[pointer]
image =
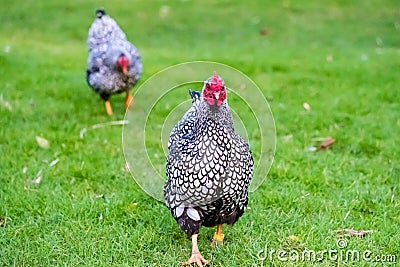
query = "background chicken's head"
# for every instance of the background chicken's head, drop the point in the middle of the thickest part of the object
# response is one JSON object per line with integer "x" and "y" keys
{"x": 123, "y": 63}
{"x": 214, "y": 92}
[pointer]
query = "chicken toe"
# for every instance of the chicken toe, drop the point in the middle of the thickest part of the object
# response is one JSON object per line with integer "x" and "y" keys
{"x": 196, "y": 258}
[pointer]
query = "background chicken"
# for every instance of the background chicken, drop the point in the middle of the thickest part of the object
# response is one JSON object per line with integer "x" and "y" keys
{"x": 114, "y": 64}
{"x": 209, "y": 167}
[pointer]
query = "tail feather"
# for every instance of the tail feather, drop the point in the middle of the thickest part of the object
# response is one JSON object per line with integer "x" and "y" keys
{"x": 195, "y": 95}
{"x": 100, "y": 13}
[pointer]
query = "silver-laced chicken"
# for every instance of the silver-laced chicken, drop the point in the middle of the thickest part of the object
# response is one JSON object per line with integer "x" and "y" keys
{"x": 209, "y": 167}
{"x": 114, "y": 64}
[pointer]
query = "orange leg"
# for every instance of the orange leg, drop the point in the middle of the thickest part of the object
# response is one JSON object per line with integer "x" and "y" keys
{"x": 108, "y": 108}
{"x": 128, "y": 99}
{"x": 196, "y": 256}
{"x": 218, "y": 236}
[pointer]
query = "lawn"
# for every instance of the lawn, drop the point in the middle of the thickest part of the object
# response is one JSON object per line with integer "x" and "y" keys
{"x": 73, "y": 202}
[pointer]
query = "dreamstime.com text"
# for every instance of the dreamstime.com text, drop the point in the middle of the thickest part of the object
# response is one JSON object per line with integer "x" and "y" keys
{"x": 341, "y": 254}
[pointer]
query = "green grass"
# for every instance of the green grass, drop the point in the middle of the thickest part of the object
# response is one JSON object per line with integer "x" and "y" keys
{"x": 88, "y": 211}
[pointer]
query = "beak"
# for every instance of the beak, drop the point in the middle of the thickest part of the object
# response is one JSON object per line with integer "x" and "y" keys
{"x": 125, "y": 70}
{"x": 216, "y": 94}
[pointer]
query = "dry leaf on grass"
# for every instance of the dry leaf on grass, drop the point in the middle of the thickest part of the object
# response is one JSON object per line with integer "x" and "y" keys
{"x": 164, "y": 11}
{"x": 306, "y": 106}
{"x": 38, "y": 178}
{"x": 351, "y": 232}
{"x": 326, "y": 143}
{"x": 54, "y": 162}
{"x": 287, "y": 138}
{"x": 312, "y": 149}
{"x": 5, "y": 103}
{"x": 306, "y": 195}
{"x": 131, "y": 206}
{"x": 264, "y": 31}
{"x": 100, "y": 125}
{"x": 43, "y": 143}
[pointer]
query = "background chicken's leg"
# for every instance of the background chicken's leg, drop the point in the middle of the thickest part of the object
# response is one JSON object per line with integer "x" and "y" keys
{"x": 108, "y": 108}
{"x": 128, "y": 99}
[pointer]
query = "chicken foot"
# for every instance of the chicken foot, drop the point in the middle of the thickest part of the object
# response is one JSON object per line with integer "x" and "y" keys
{"x": 218, "y": 236}
{"x": 196, "y": 256}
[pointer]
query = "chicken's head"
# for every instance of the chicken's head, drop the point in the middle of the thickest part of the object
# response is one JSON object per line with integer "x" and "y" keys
{"x": 214, "y": 92}
{"x": 123, "y": 63}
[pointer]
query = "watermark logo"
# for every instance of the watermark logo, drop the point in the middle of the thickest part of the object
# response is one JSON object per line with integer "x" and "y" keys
{"x": 162, "y": 100}
{"x": 339, "y": 254}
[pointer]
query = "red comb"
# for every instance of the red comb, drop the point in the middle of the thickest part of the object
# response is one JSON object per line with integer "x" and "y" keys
{"x": 212, "y": 86}
{"x": 215, "y": 83}
{"x": 123, "y": 61}
{"x": 217, "y": 80}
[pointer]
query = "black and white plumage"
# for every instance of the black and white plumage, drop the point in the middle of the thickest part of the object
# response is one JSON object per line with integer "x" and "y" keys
{"x": 114, "y": 64}
{"x": 209, "y": 166}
